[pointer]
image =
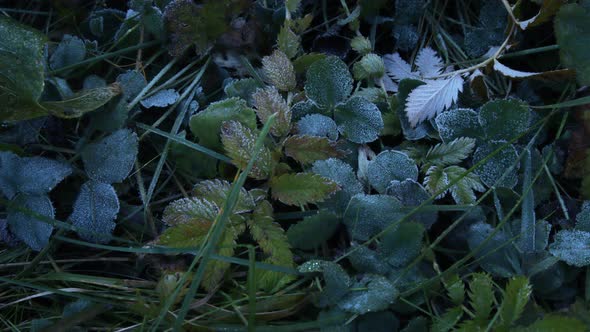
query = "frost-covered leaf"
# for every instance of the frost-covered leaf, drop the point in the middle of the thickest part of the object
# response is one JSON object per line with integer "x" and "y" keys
{"x": 572, "y": 247}
{"x": 22, "y": 73}
{"x": 367, "y": 215}
{"x": 397, "y": 68}
{"x": 313, "y": 231}
{"x": 582, "y": 218}
{"x": 243, "y": 88}
{"x": 411, "y": 133}
{"x": 458, "y": 122}
{"x": 343, "y": 174}
{"x": 38, "y": 175}
{"x": 70, "y": 50}
{"x": 499, "y": 170}
{"x": 9, "y": 173}
{"x": 268, "y": 101}
{"x": 162, "y": 98}
{"x": 361, "y": 45}
{"x": 94, "y": 212}
{"x": 481, "y": 297}
{"x": 365, "y": 260}
{"x": 358, "y": 120}
{"x": 27, "y": 228}
{"x": 239, "y": 143}
{"x": 451, "y": 153}
{"x": 504, "y": 119}
{"x": 206, "y": 125}
{"x": 402, "y": 244}
{"x": 518, "y": 291}
{"x": 430, "y": 99}
{"x": 190, "y": 211}
{"x": 337, "y": 281}
{"x": 463, "y": 191}
{"x": 328, "y": 82}
{"x": 111, "y": 159}
{"x": 217, "y": 191}
{"x": 388, "y": 166}
{"x": 279, "y": 70}
{"x": 572, "y": 32}
{"x": 509, "y": 72}
{"x": 429, "y": 63}
{"x": 131, "y": 83}
{"x": 498, "y": 256}
{"x": 411, "y": 194}
{"x": 406, "y": 36}
{"x": 301, "y": 188}
{"x": 81, "y": 102}
{"x": 318, "y": 125}
{"x": 369, "y": 66}
{"x": 378, "y": 295}
{"x": 303, "y": 108}
{"x": 307, "y": 149}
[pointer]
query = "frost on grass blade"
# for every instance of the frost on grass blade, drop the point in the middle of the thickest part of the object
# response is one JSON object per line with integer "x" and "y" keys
{"x": 111, "y": 159}
{"x": 27, "y": 228}
{"x": 95, "y": 210}
{"x": 388, "y": 166}
{"x": 428, "y": 100}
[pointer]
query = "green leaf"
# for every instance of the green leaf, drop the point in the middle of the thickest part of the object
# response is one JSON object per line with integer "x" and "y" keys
{"x": 239, "y": 143}
{"x": 95, "y": 210}
{"x": 288, "y": 42}
{"x": 32, "y": 231}
{"x": 191, "y": 211}
{"x": 572, "y": 247}
{"x": 111, "y": 159}
{"x": 481, "y": 297}
{"x": 268, "y": 101}
{"x": 22, "y": 70}
{"x": 458, "y": 122}
{"x": 341, "y": 173}
{"x": 70, "y": 50}
{"x": 313, "y": 231}
{"x": 463, "y": 191}
{"x": 302, "y": 188}
{"x": 337, "y": 281}
{"x": 82, "y": 102}
{"x": 447, "y": 321}
{"x": 367, "y": 215}
{"x": 451, "y": 153}
{"x": 273, "y": 242}
{"x": 552, "y": 323}
{"x": 359, "y": 120}
{"x": 389, "y": 166}
{"x": 242, "y": 88}
{"x": 379, "y": 294}
{"x": 328, "y": 82}
{"x": 504, "y": 119}
{"x": 416, "y": 324}
{"x": 279, "y": 70}
{"x": 217, "y": 191}
{"x": 318, "y": 125}
{"x": 215, "y": 269}
{"x": 516, "y": 297}
{"x": 411, "y": 194}
{"x": 370, "y": 66}
{"x": 402, "y": 244}
{"x": 573, "y": 37}
{"x": 206, "y": 125}
{"x": 499, "y": 170}
{"x": 456, "y": 289}
{"x": 187, "y": 235}
{"x": 307, "y": 149}
{"x": 292, "y": 5}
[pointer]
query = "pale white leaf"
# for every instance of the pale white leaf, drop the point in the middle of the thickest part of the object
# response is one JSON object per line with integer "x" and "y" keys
{"x": 387, "y": 83}
{"x": 507, "y": 71}
{"x": 428, "y": 100}
{"x": 429, "y": 63}
{"x": 397, "y": 68}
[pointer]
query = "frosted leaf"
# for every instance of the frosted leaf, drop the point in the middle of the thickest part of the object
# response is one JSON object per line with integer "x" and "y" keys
{"x": 318, "y": 125}
{"x": 95, "y": 210}
{"x": 542, "y": 231}
{"x": 402, "y": 244}
{"x": 304, "y": 108}
{"x": 32, "y": 231}
{"x": 328, "y": 82}
{"x": 388, "y": 166}
{"x": 70, "y": 50}
{"x": 406, "y": 36}
{"x": 313, "y": 231}
{"x": 422, "y": 129}
{"x": 498, "y": 256}
{"x": 370, "y": 294}
{"x": 583, "y": 217}
{"x": 456, "y": 123}
{"x": 504, "y": 119}
{"x": 358, "y": 120}
{"x": 509, "y": 72}
{"x": 429, "y": 63}
{"x": 111, "y": 159}
{"x": 365, "y": 260}
{"x": 131, "y": 82}
{"x": 497, "y": 171}
{"x": 411, "y": 194}
{"x": 339, "y": 172}
{"x": 397, "y": 68}
{"x": 572, "y": 247}
{"x": 243, "y": 88}
{"x": 367, "y": 215}
{"x": 239, "y": 143}
{"x": 268, "y": 101}
{"x": 430, "y": 99}
{"x": 337, "y": 281}
{"x": 279, "y": 70}
{"x": 217, "y": 192}
{"x": 38, "y": 175}
{"x": 162, "y": 98}
{"x": 190, "y": 211}
{"x": 387, "y": 83}
{"x": 9, "y": 168}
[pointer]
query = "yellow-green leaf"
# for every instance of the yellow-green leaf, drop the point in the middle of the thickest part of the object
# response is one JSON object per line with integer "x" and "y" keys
{"x": 239, "y": 143}
{"x": 308, "y": 149}
{"x": 301, "y": 188}
{"x": 82, "y": 102}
